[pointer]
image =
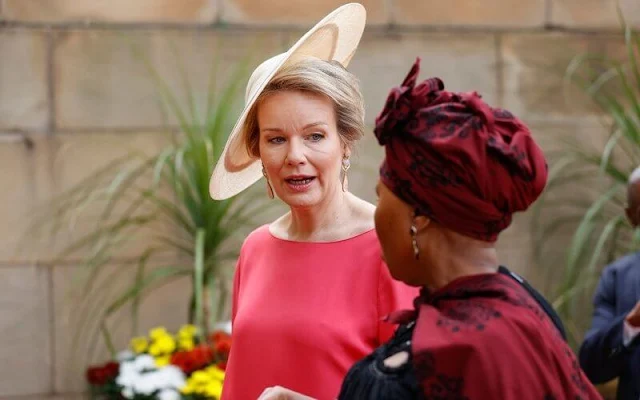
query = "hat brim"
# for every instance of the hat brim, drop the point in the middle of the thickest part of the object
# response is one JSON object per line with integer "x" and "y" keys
{"x": 335, "y": 37}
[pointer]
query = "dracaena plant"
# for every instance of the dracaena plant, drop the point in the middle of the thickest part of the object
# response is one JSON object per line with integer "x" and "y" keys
{"x": 137, "y": 193}
{"x": 587, "y": 186}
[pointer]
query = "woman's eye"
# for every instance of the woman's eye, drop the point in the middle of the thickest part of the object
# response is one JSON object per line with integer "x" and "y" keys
{"x": 276, "y": 140}
{"x": 316, "y": 137}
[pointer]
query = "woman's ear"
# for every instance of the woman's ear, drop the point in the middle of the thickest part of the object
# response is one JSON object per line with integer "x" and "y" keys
{"x": 421, "y": 222}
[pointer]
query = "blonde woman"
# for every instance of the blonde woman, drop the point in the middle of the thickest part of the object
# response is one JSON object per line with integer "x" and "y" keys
{"x": 311, "y": 288}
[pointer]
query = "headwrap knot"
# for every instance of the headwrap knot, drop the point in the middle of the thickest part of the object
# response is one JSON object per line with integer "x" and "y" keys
{"x": 457, "y": 160}
{"x": 402, "y": 102}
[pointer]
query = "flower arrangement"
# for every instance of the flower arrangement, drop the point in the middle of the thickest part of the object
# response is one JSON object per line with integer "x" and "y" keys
{"x": 162, "y": 366}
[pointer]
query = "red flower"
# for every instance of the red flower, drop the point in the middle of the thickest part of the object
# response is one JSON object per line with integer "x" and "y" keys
{"x": 101, "y": 374}
{"x": 222, "y": 348}
{"x": 217, "y": 336}
{"x": 189, "y": 361}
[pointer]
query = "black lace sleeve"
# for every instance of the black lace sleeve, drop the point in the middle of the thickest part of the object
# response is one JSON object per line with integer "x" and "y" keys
{"x": 370, "y": 379}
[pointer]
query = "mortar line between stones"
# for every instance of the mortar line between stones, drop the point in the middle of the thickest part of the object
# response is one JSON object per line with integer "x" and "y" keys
{"x": 118, "y": 130}
{"x": 499, "y": 70}
{"x": 391, "y": 16}
{"x": 51, "y": 123}
{"x": 75, "y": 262}
{"x": 52, "y": 331}
{"x": 548, "y": 13}
{"x": 217, "y": 19}
{"x": 224, "y": 27}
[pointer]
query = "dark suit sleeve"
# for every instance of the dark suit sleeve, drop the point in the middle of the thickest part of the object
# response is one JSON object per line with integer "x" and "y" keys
{"x": 602, "y": 354}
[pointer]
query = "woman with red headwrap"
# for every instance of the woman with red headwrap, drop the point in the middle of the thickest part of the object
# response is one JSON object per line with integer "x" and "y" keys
{"x": 455, "y": 171}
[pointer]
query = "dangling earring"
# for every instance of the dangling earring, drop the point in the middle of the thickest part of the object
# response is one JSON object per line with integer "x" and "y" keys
{"x": 269, "y": 188}
{"x": 414, "y": 242}
{"x": 346, "y": 164}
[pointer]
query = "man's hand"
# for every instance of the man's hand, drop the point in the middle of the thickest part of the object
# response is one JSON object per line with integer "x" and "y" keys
{"x": 633, "y": 318}
{"x": 280, "y": 393}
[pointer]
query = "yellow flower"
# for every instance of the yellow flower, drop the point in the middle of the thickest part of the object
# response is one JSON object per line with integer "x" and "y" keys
{"x": 139, "y": 344}
{"x": 162, "y": 345}
{"x": 199, "y": 378}
{"x": 162, "y": 361}
{"x": 187, "y": 332}
{"x": 213, "y": 389}
{"x": 188, "y": 388}
{"x": 215, "y": 373}
{"x": 186, "y": 344}
{"x": 158, "y": 332}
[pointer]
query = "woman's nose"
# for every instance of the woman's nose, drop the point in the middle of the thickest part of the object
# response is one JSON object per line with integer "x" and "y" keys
{"x": 295, "y": 153}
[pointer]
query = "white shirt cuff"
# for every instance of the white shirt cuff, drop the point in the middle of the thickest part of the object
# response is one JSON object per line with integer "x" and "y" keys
{"x": 628, "y": 333}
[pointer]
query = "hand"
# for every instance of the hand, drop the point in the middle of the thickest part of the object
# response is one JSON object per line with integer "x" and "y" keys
{"x": 633, "y": 318}
{"x": 280, "y": 393}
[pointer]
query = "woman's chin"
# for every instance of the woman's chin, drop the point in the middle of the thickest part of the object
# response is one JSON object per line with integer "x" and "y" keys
{"x": 300, "y": 200}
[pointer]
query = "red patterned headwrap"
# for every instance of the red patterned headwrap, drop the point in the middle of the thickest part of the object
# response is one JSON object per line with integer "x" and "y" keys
{"x": 457, "y": 160}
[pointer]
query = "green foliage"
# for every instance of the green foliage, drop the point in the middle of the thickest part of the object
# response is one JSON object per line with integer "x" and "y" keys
{"x": 163, "y": 198}
{"x": 592, "y": 178}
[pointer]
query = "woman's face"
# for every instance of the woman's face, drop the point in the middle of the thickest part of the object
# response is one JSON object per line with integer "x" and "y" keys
{"x": 300, "y": 147}
{"x": 393, "y": 218}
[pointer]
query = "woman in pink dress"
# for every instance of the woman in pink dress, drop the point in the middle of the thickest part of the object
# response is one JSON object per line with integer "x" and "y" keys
{"x": 310, "y": 289}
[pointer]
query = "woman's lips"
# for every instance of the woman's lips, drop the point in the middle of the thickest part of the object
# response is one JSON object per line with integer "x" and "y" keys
{"x": 300, "y": 184}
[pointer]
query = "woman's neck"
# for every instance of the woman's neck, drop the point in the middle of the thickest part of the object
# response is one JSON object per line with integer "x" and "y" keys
{"x": 460, "y": 263}
{"x": 323, "y": 222}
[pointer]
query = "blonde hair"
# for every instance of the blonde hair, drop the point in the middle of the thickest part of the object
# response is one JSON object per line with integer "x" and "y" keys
{"x": 328, "y": 78}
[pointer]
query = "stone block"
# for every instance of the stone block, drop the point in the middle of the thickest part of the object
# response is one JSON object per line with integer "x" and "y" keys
{"x": 23, "y": 80}
{"x": 26, "y": 333}
{"x": 515, "y": 250}
{"x": 77, "y": 158}
{"x": 567, "y": 201}
{"x": 594, "y": 13}
{"x": 60, "y": 11}
{"x": 102, "y": 81}
{"x": 297, "y": 12}
{"x": 470, "y": 13}
{"x": 463, "y": 61}
{"x": 25, "y": 182}
{"x": 78, "y": 339}
{"x": 536, "y": 83}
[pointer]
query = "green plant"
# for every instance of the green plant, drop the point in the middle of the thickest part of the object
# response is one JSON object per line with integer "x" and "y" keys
{"x": 587, "y": 186}
{"x": 136, "y": 193}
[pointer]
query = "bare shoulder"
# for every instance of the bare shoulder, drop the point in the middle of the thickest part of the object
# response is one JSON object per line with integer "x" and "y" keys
{"x": 279, "y": 227}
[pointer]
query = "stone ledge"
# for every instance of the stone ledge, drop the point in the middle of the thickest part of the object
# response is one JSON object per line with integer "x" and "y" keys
{"x": 593, "y": 14}
{"x": 294, "y": 12}
{"x": 61, "y": 11}
{"x": 472, "y": 13}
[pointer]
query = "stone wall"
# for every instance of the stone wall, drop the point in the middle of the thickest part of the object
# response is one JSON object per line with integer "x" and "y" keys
{"x": 72, "y": 97}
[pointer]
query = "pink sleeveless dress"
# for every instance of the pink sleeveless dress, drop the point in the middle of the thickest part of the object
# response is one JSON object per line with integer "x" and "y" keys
{"x": 304, "y": 313}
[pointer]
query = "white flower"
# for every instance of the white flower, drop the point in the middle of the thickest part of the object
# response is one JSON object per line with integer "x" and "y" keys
{"x": 140, "y": 375}
{"x": 168, "y": 394}
{"x": 144, "y": 361}
{"x": 223, "y": 326}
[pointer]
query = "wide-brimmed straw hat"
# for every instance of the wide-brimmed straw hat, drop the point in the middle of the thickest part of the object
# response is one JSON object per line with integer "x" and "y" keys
{"x": 335, "y": 38}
